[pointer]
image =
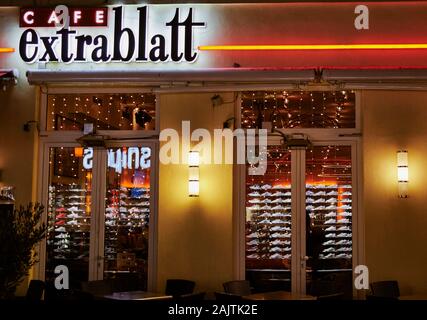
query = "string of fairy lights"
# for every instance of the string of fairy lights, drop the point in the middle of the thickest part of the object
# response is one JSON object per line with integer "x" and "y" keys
{"x": 298, "y": 109}
{"x": 324, "y": 164}
{"x": 106, "y": 111}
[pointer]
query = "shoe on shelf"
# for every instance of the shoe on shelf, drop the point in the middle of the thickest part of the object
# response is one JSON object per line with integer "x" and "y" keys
{"x": 61, "y": 235}
{"x": 344, "y": 228}
{"x": 253, "y": 235}
{"x": 320, "y": 200}
{"x": 278, "y": 228}
{"x": 344, "y": 235}
{"x": 345, "y": 214}
{"x": 330, "y": 221}
{"x": 331, "y": 207}
{"x": 277, "y": 256}
{"x": 265, "y": 215}
{"x": 329, "y": 243}
{"x": 253, "y": 242}
{"x": 72, "y": 222}
{"x": 344, "y": 242}
{"x": 73, "y": 215}
{"x": 61, "y": 216}
{"x": 331, "y": 214}
{"x": 278, "y": 200}
{"x": 343, "y": 221}
{"x": 266, "y": 194}
{"x": 332, "y": 193}
{"x": 319, "y": 193}
{"x": 319, "y": 208}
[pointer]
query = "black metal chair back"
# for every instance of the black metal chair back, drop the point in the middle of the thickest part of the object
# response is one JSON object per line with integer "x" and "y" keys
{"x": 238, "y": 287}
{"x": 385, "y": 289}
{"x": 35, "y": 290}
{"x": 179, "y": 287}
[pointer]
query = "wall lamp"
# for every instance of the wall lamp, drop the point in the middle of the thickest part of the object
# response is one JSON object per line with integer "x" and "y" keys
{"x": 193, "y": 173}
{"x": 402, "y": 173}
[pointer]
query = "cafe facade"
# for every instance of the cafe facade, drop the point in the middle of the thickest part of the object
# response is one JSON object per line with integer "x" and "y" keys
{"x": 96, "y": 100}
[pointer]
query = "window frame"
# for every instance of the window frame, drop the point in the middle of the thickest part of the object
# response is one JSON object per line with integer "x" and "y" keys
{"x": 318, "y": 136}
{"x": 74, "y": 134}
{"x": 51, "y": 139}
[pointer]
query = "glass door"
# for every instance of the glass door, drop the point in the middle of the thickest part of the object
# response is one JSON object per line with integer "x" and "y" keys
{"x": 69, "y": 213}
{"x": 299, "y": 234}
{"x": 269, "y": 223}
{"x": 126, "y": 216}
{"x": 328, "y": 220}
{"x": 99, "y": 216}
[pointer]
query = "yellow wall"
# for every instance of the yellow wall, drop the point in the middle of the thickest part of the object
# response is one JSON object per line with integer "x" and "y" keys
{"x": 17, "y": 106}
{"x": 395, "y": 229}
{"x": 195, "y": 234}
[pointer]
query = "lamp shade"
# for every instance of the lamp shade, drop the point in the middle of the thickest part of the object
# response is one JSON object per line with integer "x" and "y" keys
{"x": 193, "y": 159}
{"x": 193, "y": 188}
{"x": 402, "y": 166}
{"x": 402, "y": 173}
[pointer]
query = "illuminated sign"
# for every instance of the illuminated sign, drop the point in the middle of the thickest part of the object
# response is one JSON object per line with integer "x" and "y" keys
{"x": 129, "y": 43}
{"x": 130, "y": 158}
{"x": 48, "y": 17}
{"x": 306, "y": 35}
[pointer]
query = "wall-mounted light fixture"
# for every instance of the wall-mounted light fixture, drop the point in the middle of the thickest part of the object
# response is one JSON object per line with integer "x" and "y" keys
{"x": 402, "y": 173}
{"x": 193, "y": 173}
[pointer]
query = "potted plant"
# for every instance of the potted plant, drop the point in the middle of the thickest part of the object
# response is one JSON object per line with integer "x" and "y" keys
{"x": 20, "y": 231}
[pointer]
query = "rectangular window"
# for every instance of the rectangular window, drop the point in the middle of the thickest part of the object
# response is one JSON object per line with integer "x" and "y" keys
{"x": 106, "y": 111}
{"x": 298, "y": 109}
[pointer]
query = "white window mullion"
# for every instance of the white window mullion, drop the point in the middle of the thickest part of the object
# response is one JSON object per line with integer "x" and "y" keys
{"x": 94, "y": 253}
